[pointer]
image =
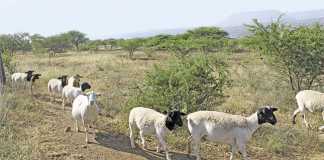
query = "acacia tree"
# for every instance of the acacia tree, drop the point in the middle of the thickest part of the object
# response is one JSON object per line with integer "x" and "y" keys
{"x": 9, "y": 43}
{"x": 38, "y": 43}
{"x": 207, "y": 32}
{"x": 131, "y": 45}
{"x": 206, "y": 39}
{"x": 15, "y": 42}
{"x": 207, "y": 45}
{"x": 76, "y": 38}
{"x": 297, "y": 53}
{"x": 181, "y": 46}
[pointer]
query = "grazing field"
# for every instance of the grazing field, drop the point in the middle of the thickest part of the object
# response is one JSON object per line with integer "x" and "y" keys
{"x": 35, "y": 128}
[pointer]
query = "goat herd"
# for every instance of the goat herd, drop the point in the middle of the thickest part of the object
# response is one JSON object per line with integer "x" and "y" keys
{"x": 234, "y": 130}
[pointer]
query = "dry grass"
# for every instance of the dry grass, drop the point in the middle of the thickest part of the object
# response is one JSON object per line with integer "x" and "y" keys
{"x": 34, "y": 128}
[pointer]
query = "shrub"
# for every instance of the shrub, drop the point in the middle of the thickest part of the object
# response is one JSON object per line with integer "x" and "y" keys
{"x": 191, "y": 83}
{"x": 297, "y": 53}
{"x": 9, "y": 63}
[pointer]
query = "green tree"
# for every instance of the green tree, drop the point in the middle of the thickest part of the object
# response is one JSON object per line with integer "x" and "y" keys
{"x": 207, "y": 45}
{"x": 190, "y": 84}
{"x": 9, "y": 43}
{"x": 158, "y": 42}
{"x": 207, "y": 32}
{"x": 38, "y": 43}
{"x": 15, "y": 42}
{"x": 76, "y": 38}
{"x": 180, "y": 46}
{"x": 297, "y": 53}
{"x": 58, "y": 43}
{"x": 131, "y": 45}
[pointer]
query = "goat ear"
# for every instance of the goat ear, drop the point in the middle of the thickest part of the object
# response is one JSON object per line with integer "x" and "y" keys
{"x": 182, "y": 114}
{"x": 274, "y": 109}
{"x": 59, "y": 77}
{"x": 165, "y": 112}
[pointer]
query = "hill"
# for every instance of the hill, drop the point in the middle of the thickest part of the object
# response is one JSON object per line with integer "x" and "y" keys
{"x": 234, "y": 24}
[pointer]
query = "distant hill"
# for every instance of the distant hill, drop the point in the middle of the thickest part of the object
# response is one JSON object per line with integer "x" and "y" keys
{"x": 234, "y": 24}
{"x": 238, "y": 19}
{"x": 151, "y": 33}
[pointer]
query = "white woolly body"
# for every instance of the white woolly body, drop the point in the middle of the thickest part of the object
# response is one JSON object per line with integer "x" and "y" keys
{"x": 19, "y": 77}
{"x": 55, "y": 86}
{"x": 71, "y": 92}
{"x": 234, "y": 130}
{"x": 311, "y": 100}
{"x": 83, "y": 110}
{"x": 221, "y": 127}
{"x": 147, "y": 120}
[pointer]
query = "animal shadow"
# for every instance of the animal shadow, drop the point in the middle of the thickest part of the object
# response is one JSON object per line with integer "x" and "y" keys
{"x": 121, "y": 142}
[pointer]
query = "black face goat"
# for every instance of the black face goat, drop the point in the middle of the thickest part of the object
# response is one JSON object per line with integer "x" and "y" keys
{"x": 29, "y": 75}
{"x": 266, "y": 115}
{"x": 64, "y": 80}
{"x": 173, "y": 119}
{"x": 84, "y": 86}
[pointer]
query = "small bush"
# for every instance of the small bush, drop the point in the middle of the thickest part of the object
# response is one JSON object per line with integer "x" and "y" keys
{"x": 191, "y": 83}
{"x": 9, "y": 63}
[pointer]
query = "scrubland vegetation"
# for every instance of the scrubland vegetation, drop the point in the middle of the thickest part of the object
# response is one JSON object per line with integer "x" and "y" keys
{"x": 201, "y": 69}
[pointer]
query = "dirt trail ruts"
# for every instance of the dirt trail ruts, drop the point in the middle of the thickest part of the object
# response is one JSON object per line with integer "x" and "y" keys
{"x": 55, "y": 143}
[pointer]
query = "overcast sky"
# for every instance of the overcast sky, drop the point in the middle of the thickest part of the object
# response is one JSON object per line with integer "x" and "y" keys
{"x": 98, "y": 18}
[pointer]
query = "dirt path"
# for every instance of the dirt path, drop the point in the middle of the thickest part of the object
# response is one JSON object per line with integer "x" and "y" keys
{"x": 52, "y": 142}
{"x": 55, "y": 143}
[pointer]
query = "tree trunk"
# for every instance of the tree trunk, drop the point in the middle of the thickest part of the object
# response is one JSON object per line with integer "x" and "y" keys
{"x": 77, "y": 47}
{"x": 2, "y": 76}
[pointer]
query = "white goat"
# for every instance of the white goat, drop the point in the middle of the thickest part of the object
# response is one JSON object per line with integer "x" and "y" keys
{"x": 70, "y": 92}
{"x": 55, "y": 86}
{"x": 308, "y": 100}
{"x": 149, "y": 121}
{"x": 85, "y": 109}
{"x": 21, "y": 78}
{"x": 234, "y": 130}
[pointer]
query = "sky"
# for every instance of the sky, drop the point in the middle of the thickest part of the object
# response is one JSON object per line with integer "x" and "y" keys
{"x": 102, "y": 18}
